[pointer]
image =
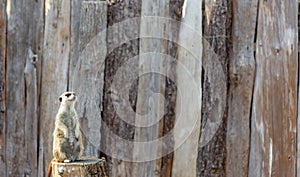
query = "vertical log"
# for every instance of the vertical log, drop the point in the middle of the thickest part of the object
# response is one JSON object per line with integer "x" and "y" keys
{"x": 273, "y": 127}
{"x": 188, "y": 102}
{"x": 88, "y": 74}
{"x": 120, "y": 13}
{"x": 31, "y": 114}
{"x": 76, "y": 7}
{"x": 55, "y": 63}
{"x": 212, "y": 150}
{"x": 23, "y": 31}
{"x": 2, "y": 86}
{"x": 241, "y": 73}
{"x": 175, "y": 12}
{"x": 151, "y": 89}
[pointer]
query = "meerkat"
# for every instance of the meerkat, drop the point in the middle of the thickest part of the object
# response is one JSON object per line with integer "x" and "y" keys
{"x": 67, "y": 138}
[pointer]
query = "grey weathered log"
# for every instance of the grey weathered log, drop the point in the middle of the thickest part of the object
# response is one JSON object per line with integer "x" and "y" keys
{"x": 151, "y": 89}
{"x": 31, "y": 112}
{"x": 75, "y": 24}
{"x": 56, "y": 51}
{"x": 241, "y": 75}
{"x": 86, "y": 167}
{"x": 88, "y": 78}
{"x": 188, "y": 102}
{"x": 2, "y": 87}
{"x": 122, "y": 46}
{"x": 274, "y": 110}
{"x": 23, "y": 32}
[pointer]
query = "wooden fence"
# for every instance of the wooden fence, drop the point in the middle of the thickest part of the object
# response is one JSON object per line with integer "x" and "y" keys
{"x": 215, "y": 84}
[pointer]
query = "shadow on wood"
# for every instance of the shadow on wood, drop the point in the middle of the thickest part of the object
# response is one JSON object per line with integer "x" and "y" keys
{"x": 88, "y": 166}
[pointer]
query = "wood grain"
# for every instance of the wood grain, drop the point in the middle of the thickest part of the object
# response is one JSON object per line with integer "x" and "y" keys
{"x": 3, "y": 87}
{"x": 56, "y": 51}
{"x": 189, "y": 94}
{"x": 87, "y": 166}
{"x": 241, "y": 75}
{"x": 23, "y": 33}
{"x": 151, "y": 89}
{"x": 88, "y": 75}
{"x": 274, "y": 111}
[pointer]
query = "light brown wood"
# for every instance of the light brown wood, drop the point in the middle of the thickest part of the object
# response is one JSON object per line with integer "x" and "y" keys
{"x": 56, "y": 51}
{"x": 241, "y": 73}
{"x": 274, "y": 111}
{"x": 189, "y": 94}
{"x": 86, "y": 167}
{"x": 88, "y": 75}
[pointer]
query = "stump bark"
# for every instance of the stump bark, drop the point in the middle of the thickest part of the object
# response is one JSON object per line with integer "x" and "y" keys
{"x": 87, "y": 166}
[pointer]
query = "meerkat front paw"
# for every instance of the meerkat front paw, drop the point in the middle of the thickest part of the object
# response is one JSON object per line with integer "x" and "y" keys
{"x": 67, "y": 161}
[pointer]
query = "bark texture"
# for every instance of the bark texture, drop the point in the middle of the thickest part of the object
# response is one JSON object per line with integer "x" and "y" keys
{"x": 212, "y": 149}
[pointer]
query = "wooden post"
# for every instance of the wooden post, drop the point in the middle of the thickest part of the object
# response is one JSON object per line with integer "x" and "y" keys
{"x": 87, "y": 79}
{"x": 188, "y": 102}
{"x": 241, "y": 75}
{"x": 88, "y": 166}
{"x": 273, "y": 145}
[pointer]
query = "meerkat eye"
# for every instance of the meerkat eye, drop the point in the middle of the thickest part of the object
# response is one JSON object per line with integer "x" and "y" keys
{"x": 68, "y": 94}
{"x": 74, "y": 94}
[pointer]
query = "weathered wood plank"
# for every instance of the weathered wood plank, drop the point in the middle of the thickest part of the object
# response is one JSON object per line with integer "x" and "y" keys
{"x": 55, "y": 78}
{"x": 2, "y": 87}
{"x": 188, "y": 103}
{"x": 23, "y": 32}
{"x": 31, "y": 112}
{"x": 241, "y": 73}
{"x": 212, "y": 150}
{"x": 122, "y": 27}
{"x": 274, "y": 112}
{"x": 151, "y": 89}
{"x": 88, "y": 75}
{"x": 76, "y": 6}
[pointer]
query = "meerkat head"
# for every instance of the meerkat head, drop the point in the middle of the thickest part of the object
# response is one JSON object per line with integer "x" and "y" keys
{"x": 67, "y": 98}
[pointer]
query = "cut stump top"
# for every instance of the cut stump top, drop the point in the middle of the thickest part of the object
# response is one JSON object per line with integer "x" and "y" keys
{"x": 87, "y": 166}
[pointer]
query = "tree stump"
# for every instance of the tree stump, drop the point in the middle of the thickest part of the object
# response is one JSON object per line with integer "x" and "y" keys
{"x": 87, "y": 166}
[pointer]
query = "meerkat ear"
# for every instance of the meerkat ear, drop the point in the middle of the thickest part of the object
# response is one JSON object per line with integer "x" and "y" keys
{"x": 60, "y": 99}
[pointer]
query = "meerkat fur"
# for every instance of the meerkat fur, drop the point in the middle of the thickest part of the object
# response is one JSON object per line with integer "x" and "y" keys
{"x": 67, "y": 138}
